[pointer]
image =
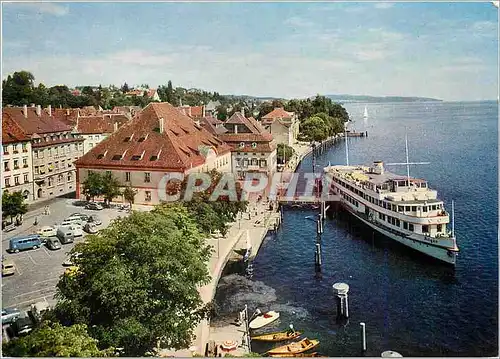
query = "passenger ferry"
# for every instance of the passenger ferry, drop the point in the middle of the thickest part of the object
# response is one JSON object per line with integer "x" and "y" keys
{"x": 402, "y": 208}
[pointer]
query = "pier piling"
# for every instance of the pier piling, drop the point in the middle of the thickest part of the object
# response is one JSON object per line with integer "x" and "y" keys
{"x": 340, "y": 290}
{"x": 363, "y": 336}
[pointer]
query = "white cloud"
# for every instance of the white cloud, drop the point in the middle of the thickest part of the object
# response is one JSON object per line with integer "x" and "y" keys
{"x": 44, "y": 8}
{"x": 383, "y": 5}
{"x": 298, "y": 22}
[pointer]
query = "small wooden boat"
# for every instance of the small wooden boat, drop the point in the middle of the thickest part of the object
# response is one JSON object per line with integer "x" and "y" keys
{"x": 264, "y": 319}
{"x": 295, "y": 348}
{"x": 277, "y": 336}
{"x": 302, "y": 355}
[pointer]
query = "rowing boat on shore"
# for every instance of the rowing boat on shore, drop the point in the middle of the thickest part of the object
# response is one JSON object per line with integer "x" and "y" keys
{"x": 264, "y": 319}
{"x": 295, "y": 347}
{"x": 302, "y": 355}
{"x": 277, "y": 336}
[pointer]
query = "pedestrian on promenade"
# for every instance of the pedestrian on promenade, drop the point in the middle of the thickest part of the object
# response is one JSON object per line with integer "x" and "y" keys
{"x": 36, "y": 221}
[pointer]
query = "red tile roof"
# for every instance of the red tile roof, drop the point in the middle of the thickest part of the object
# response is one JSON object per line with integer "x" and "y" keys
{"x": 179, "y": 147}
{"x": 11, "y": 132}
{"x": 277, "y": 114}
{"x": 99, "y": 124}
{"x": 196, "y": 111}
{"x": 33, "y": 123}
{"x": 212, "y": 125}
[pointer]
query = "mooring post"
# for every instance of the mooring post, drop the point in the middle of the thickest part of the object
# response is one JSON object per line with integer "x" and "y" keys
{"x": 318, "y": 254}
{"x": 340, "y": 290}
{"x": 363, "y": 336}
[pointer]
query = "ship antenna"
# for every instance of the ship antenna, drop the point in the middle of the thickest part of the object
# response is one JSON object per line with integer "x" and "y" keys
{"x": 407, "y": 163}
{"x": 346, "y": 146}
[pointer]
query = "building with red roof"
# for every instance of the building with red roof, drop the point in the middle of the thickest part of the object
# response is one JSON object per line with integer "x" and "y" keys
{"x": 253, "y": 148}
{"x": 54, "y": 148}
{"x": 157, "y": 141}
{"x": 283, "y": 125}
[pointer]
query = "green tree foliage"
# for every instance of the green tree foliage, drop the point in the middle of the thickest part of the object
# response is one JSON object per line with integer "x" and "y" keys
{"x": 221, "y": 113}
{"x": 93, "y": 186}
{"x": 18, "y": 89}
{"x": 137, "y": 282}
{"x": 284, "y": 152}
{"x": 55, "y": 340}
{"x": 13, "y": 205}
{"x": 125, "y": 88}
{"x": 314, "y": 129}
{"x": 110, "y": 187}
{"x": 129, "y": 195}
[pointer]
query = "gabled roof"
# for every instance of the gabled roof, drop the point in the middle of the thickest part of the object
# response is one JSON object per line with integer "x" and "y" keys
{"x": 11, "y": 132}
{"x": 212, "y": 125}
{"x": 252, "y": 125}
{"x": 34, "y": 123}
{"x": 277, "y": 114}
{"x": 263, "y": 140}
{"x": 99, "y": 124}
{"x": 139, "y": 143}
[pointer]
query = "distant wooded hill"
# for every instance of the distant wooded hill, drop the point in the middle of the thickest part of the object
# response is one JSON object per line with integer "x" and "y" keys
{"x": 362, "y": 98}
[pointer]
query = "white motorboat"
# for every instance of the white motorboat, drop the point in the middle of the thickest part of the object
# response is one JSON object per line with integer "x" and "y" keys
{"x": 264, "y": 319}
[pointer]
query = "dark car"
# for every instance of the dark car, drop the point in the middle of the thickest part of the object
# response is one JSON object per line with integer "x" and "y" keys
{"x": 94, "y": 206}
{"x": 94, "y": 220}
{"x": 53, "y": 243}
{"x": 22, "y": 326}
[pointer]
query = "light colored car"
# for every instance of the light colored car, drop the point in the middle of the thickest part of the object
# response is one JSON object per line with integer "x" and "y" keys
{"x": 82, "y": 216}
{"x": 47, "y": 231}
{"x": 10, "y": 315}
{"x": 90, "y": 228}
{"x": 93, "y": 219}
{"x": 8, "y": 268}
{"x": 94, "y": 206}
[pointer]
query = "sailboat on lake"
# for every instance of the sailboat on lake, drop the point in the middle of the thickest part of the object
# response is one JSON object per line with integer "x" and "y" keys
{"x": 365, "y": 114}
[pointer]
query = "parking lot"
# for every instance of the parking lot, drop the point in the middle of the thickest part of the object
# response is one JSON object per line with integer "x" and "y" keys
{"x": 38, "y": 271}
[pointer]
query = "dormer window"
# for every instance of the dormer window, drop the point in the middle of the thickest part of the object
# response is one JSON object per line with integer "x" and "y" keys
{"x": 136, "y": 157}
{"x": 254, "y": 144}
{"x": 153, "y": 158}
{"x": 129, "y": 138}
{"x": 142, "y": 138}
{"x": 100, "y": 156}
{"x": 242, "y": 144}
{"x": 117, "y": 157}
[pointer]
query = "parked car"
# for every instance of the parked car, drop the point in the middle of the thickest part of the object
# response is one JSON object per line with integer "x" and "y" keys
{"x": 67, "y": 234}
{"x": 8, "y": 227}
{"x": 53, "y": 243}
{"x": 47, "y": 231}
{"x": 94, "y": 206}
{"x": 94, "y": 220}
{"x": 10, "y": 315}
{"x": 82, "y": 216}
{"x": 72, "y": 221}
{"x": 8, "y": 268}
{"x": 69, "y": 262}
{"x": 22, "y": 326}
{"x": 90, "y": 228}
{"x": 31, "y": 241}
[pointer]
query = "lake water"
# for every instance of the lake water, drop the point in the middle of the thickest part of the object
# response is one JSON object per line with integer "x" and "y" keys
{"x": 410, "y": 304}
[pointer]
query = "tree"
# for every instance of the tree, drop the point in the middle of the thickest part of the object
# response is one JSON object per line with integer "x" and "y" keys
{"x": 125, "y": 88}
{"x": 18, "y": 88}
{"x": 93, "y": 186}
{"x": 13, "y": 205}
{"x": 221, "y": 113}
{"x": 314, "y": 129}
{"x": 137, "y": 282}
{"x": 169, "y": 92}
{"x": 55, "y": 340}
{"x": 129, "y": 195}
{"x": 110, "y": 187}
{"x": 284, "y": 152}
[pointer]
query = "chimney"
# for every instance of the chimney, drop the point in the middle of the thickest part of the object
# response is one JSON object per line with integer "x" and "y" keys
{"x": 180, "y": 101}
{"x": 243, "y": 111}
{"x": 50, "y": 110}
{"x": 67, "y": 112}
{"x": 162, "y": 124}
{"x": 25, "y": 111}
{"x": 115, "y": 127}
{"x": 235, "y": 129}
{"x": 38, "y": 110}
{"x": 203, "y": 108}
{"x": 189, "y": 111}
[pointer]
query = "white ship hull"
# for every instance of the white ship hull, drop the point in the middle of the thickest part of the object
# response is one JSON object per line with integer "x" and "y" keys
{"x": 440, "y": 253}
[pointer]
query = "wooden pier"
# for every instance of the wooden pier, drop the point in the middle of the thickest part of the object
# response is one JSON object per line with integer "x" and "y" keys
{"x": 307, "y": 200}
{"x": 357, "y": 134}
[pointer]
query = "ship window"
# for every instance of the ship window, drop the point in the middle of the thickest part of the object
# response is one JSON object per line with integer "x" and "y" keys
{"x": 400, "y": 208}
{"x": 425, "y": 228}
{"x": 410, "y": 227}
{"x": 424, "y": 208}
{"x": 407, "y": 208}
{"x": 397, "y": 222}
{"x": 433, "y": 207}
{"x": 414, "y": 208}
{"x": 439, "y": 227}
{"x": 380, "y": 215}
{"x": 405, "y": 225}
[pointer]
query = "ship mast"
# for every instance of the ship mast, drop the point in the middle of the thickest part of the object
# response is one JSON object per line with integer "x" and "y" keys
{"x": 407, "y": 163}
{"x": 346, "y": 147}
{"x": 453, "y": 219}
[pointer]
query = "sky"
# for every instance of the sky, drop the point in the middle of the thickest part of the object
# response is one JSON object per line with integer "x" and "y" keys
{"x": 445, "y": 50}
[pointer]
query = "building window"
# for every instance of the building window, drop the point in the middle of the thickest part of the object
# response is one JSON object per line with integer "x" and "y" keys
{"x": 5, "y": 150}
{"x": 6, "y": 166}
{"x": 425, "y": 228}
{"x": 15, "y": 149}
{"x": 410, "y": 227}
{"x": 16, "y": 180}
{"x": 238, "y": 162}
{"x": 147, "y": 177}
{"x": 69, "y": 177}
{"x": 16, "y": 164}
{"x": 127, "y": 176}
{"x": 25, "y": 162}
{"x": 56, "y": 165}
{"x": 51, "y": 167}
{"x": 50, "y": 181}
{"x": 25, "y": 178}
{"x": 7, "y": 182}
{"x": 148, "y": 196}
{"x": 60, "y": 178}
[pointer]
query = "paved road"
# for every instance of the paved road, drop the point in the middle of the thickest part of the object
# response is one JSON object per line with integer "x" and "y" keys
{"x": 38, "y": 271}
